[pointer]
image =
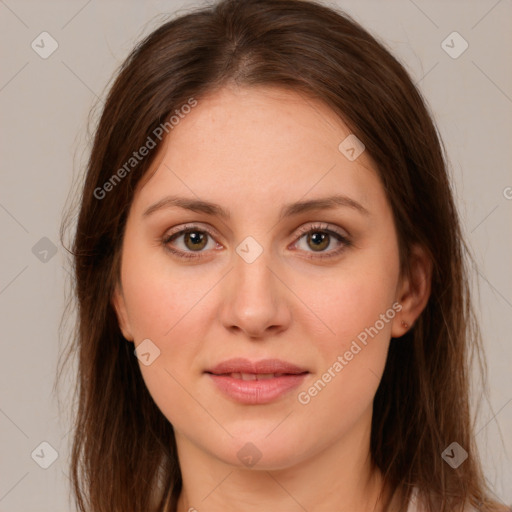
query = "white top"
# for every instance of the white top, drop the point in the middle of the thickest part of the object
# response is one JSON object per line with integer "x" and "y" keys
{"x": 413, "y": 503}
{"x": 415, "y": 506}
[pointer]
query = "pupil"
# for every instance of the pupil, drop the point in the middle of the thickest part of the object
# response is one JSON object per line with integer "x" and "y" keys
{"x": 196, "y": 238}
{"x": 318, "y": 238}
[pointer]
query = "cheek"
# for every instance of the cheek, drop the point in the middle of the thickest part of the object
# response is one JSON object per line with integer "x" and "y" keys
{"x": 359, "y": 315}
{"x": 353, "y": 358}
{"x": 166, "y": 310}
{"x": 159, "y": 300}
{"x": 352, "y": 299}
{"x": 169, "y": 307}
{"x": 356, "y": 308}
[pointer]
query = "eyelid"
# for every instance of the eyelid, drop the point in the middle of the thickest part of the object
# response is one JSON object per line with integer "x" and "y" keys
{"x": 322, "y": 226}
{"x": 305, "y": 228}
{"x": 344, "y": 238}
{"x": 191, "y": 226}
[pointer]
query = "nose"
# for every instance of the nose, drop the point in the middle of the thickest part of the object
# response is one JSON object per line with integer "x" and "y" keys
{"x": 255, "y": 298}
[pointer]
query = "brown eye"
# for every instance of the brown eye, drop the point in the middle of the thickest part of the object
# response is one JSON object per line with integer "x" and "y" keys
{"x": 317, "y": 240}
{"x": 195, "y": 240}
{"x": 190, "y": 242}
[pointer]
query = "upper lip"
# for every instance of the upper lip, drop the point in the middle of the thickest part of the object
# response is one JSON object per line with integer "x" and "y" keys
{"x": 241, "y": 365}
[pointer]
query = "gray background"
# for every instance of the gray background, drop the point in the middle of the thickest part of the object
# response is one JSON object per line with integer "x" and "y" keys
{"x": 45, "y": 104}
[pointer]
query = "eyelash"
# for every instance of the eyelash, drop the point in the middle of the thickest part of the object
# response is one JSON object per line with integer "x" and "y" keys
{"x": 303, "y": 231}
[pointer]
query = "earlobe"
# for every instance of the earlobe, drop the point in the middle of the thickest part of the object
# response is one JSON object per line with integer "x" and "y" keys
{"x": 119, "y": 306}
{"x": 414, "y": 291}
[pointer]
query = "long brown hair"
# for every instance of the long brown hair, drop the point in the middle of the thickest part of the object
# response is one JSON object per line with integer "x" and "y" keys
{"x": 124, "y": 453}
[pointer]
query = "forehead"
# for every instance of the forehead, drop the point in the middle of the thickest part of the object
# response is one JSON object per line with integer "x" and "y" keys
{"x": 257, "y": 148}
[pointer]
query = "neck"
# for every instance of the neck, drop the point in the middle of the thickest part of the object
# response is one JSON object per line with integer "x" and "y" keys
{"x": 340, "y": 477}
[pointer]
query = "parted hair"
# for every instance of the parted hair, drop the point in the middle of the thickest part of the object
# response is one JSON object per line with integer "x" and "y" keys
{"x": 124, "y": 456}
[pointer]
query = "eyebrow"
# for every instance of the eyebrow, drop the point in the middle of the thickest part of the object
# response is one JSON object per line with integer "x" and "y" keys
{"x": 199, "y": 206}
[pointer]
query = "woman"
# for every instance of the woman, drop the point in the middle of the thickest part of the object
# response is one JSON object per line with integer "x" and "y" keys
{"x": 273, "y": 303}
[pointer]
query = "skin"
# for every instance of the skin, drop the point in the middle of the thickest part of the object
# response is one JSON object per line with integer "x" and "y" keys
{"x": 252, "y": 151}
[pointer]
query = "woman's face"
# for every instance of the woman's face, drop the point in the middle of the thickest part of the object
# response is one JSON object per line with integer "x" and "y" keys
{"x": 281, "y": 276}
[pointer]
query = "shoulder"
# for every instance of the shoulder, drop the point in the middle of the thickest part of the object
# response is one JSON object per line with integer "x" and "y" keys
{"x": 415, "y": 505}
{"x": 499, "y": 508}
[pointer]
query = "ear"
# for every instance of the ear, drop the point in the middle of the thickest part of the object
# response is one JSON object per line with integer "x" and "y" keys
{"x": 119, "y": 306}
{"x": 413, "y": 292}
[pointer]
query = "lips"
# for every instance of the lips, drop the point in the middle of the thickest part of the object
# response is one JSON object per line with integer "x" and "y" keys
{"x": 256, "y": 382}
{"x": 254, "y": 376}
{"x": 266, "y": 366}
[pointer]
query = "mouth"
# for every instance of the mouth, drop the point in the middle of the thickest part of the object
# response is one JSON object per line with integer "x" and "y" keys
{"x": 253, "y": 383}
{"x": 241, "y": 366}
{"x": 254, "y": 376}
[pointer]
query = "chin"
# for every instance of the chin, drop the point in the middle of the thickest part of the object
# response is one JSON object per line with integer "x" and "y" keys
{"x": 261, "y": 452}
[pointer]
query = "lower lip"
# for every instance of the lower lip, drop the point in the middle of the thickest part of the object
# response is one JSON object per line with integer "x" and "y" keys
{"x": 255, "y": 392}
